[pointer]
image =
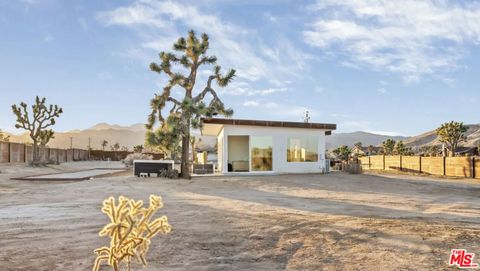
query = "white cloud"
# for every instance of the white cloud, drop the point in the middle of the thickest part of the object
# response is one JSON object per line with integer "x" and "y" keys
{"x": 235, "y": 46}
{"x": 411, "y": 38}
{"x": 251, "y": 104}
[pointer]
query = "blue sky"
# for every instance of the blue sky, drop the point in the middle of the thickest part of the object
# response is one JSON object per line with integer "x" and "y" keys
{"x": 394, "y": 67}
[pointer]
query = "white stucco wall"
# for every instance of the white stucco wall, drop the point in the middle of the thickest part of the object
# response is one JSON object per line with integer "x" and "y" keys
{"x": 279, "y": 136}
{"x": 220, "y": 151}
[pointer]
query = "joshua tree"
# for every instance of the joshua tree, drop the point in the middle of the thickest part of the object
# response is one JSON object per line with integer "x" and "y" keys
{"x": 104, "y": 144}
{"x": 342, "y": 152}
{"x": 4, "y": 137}
{"x": 452, "y": 133}
{"x": 138, "y": 148}
{"x": 401, "y": 149}
{"x": 115, "y": 147}
{"x": 124, "y": 148}
{"x": 36, "y": 122}
{"x": 388, "y": 146}
{"x": 186, "y": 112}
{"x": 433, "y": 150}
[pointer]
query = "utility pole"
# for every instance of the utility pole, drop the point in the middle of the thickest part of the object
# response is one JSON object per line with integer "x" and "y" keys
{"x": 89, "y": 146}
{"x": 306, "y": 116}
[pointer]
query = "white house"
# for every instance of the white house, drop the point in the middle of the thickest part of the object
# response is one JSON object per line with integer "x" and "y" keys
{"x": 256, "y": 146}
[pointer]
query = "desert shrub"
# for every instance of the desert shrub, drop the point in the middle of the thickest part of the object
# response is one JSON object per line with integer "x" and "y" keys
{"x": 136, "y": 156}
{"x": 168, "y": 173}
{"x": 130, "y": 230}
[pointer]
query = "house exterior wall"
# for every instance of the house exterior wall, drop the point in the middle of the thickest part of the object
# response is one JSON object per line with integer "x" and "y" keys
{"x": 279, "y": 137}
{"x": 220, "y": 151}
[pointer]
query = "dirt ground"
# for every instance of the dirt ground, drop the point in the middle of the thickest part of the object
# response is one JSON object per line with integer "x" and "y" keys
{"x": 296, "y": 222}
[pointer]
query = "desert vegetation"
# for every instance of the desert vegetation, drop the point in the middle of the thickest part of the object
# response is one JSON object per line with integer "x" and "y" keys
{"x": 131, "y": 229}
{"x": 452, "y": 133}
{"x": 36, "y": 122}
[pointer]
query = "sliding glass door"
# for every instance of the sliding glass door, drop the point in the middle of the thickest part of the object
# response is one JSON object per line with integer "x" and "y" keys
{"x": 261, "y": 148}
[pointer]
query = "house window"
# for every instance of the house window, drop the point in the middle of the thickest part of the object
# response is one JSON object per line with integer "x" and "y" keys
{"x": 302, "y": 149}
{"x": 262, "y": 154}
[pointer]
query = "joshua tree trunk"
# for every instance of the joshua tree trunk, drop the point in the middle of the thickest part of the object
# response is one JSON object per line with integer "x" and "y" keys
{"x": 35, "y": 158}
{"x": 185, "y": 152}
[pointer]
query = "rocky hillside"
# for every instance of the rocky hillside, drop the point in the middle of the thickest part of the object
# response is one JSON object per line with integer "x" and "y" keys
{"x": 430, "y": 138}
{"x": 338, "y": 139}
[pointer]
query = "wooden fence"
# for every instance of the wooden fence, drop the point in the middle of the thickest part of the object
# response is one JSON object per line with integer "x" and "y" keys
{"x": 17, "y": 153}
{"x": 466, "y": 167}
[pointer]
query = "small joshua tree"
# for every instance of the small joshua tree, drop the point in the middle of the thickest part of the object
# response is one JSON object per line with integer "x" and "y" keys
{"x": 130, "y": 231}
{"x": 138, "y": 148}
{"x": 36, "y": 122}
{"x": 4, "y": 137}
{"x": 452, "y": 133}
{"x": 115, "y": 147}
{"x": 388, "y": 146}
{"x": 343, "y": 152}
{"x": 104, "y": 144}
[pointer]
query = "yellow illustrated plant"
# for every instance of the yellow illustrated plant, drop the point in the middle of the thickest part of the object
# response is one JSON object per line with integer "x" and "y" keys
{"x": 130, "y": 230}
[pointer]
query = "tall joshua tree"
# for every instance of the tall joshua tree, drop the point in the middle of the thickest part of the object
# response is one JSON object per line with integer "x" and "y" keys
{"x": 452, "y": 133}
{"x": 186, "y": 112}
{"x": 36, "y": 122}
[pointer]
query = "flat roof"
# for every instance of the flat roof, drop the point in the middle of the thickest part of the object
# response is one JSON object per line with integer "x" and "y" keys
{"x": 270, "y": 123}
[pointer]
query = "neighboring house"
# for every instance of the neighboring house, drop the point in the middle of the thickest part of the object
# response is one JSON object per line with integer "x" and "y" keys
{"x": 268, "y": 146}
{"x": 365, "y": 151}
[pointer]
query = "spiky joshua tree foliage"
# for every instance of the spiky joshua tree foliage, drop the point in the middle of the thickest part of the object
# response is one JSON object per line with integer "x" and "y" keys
{"x": 37, "y": 122}
{"x": 452, "y": 133}
{"x": 186, "y": 112}
{"x": 130, "y": 231}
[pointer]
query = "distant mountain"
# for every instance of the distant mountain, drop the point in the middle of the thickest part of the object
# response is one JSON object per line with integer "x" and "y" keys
{"x": 337, "y": 139}
{"x": 127, "y": 136}
{"x": 132, "y": 135}
{"x": 430, "y": 138}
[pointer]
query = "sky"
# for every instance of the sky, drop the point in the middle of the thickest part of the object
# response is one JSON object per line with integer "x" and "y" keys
{"x": 389, "y": 67}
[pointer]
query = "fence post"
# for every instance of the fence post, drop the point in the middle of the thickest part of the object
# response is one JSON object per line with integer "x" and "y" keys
{"x": 369, "y": 162}
{"x": 9, "y": 152}
{"x": 384, "y": 162}
{"x": 473, "y": 167}
{"x": 25, "y": 153}
{"x": 444, "y": 166}
{"x": 400, "y": 163}
{"x": 419, "y": 164}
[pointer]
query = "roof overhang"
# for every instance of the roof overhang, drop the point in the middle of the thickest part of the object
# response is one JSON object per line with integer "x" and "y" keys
{"x": 213, "y": 126}
{"x": 211, "y": 129}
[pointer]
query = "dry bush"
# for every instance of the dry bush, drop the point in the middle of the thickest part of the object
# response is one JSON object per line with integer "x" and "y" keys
{"x": 136, "y": 156}
{"x": 130, "y": 230}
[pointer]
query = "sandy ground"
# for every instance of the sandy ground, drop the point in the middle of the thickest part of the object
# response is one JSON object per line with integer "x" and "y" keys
{"x": 295, "y": 222}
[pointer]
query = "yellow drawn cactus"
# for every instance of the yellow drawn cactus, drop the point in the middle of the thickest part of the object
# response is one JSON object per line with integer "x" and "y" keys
{"x": 130, "y": 230}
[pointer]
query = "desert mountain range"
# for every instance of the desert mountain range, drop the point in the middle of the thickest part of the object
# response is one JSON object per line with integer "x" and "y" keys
{"x": 130, "y": 136}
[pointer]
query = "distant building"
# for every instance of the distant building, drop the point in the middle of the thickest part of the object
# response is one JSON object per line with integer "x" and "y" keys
{"x": 366, "y": 151}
